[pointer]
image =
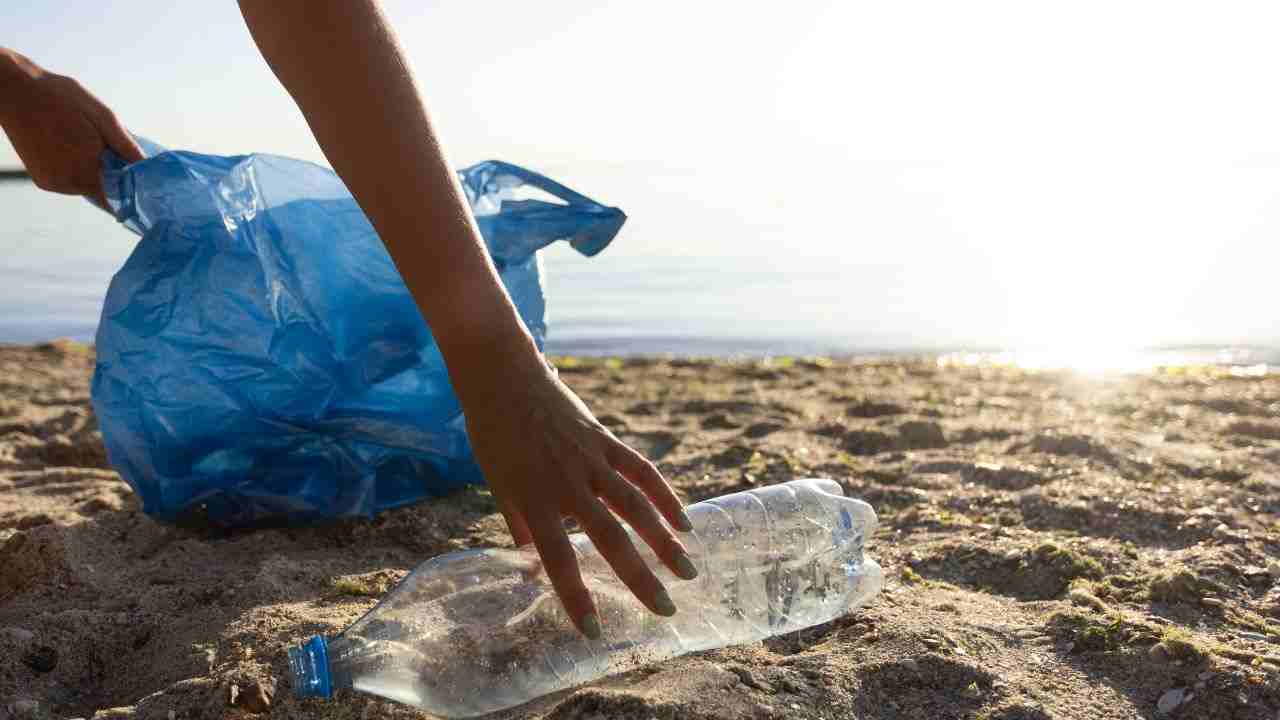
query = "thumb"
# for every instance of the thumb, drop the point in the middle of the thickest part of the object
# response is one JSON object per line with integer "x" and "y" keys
{"x": 119, "y": 139}
{"x": 113, "y": 132}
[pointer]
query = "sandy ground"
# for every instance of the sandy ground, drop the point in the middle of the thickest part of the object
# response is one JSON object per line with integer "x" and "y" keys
{"x": 1057, "y": 547}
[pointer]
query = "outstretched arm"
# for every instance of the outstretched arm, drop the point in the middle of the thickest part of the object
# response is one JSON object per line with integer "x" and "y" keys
{"x": 58, "y": 128}
{"x": 542, "y": 451}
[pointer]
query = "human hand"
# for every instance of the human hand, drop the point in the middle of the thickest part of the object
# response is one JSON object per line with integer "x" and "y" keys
{"x": 545, "y": 456}
{"x": 59, "y": 128}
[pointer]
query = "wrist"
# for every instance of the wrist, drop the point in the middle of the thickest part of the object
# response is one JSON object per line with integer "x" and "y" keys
{"x": 473, "y": 319}
{"x": 486, "y": 362}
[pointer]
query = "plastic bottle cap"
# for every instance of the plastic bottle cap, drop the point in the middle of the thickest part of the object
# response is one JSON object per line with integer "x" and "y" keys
{"x": 310, "y": 665}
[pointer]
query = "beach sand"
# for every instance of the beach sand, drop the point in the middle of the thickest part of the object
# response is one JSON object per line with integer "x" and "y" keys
{"x": 1057, "y": 546}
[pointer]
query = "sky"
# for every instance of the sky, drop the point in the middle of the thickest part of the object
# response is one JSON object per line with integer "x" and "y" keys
{"x": 1092, "y": 172}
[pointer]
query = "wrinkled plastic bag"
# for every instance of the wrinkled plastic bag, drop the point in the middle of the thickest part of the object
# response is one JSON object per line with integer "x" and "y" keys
{"x": 259, "y": 359}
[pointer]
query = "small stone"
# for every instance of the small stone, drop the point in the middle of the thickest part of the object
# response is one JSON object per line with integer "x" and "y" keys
{"x": 909, "y": 664}
{"x": 1170, "y": 700}
{"x": 1273, "y": 567}
{"x": 931, "y": 642}
{"x": 41, "y": 658}
{"x": 258, "y": 697}
{"x": 1206, "y": 675}
{"x": 790, "y": 686}
{"x": 1222, "y": 531}
{"x": 172, "y": 714}
{"x": 19, "y": 635}
{"x": 749, "y": 680}
{"x": 233, "y": 694}
{"x": 1211, "y": 602}
{"x": 1160, "y": 653}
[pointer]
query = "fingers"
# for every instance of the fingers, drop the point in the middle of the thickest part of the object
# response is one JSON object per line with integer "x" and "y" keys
{"x": 117, "y": 138}
{"x": 645, "y": 476}
{"x": 516, "y": 523}
{"x": 98, "y": 197}
{"x": 615, "y": 546}
{"x": 561, "y": 562}
{"x": 635, "y": 508}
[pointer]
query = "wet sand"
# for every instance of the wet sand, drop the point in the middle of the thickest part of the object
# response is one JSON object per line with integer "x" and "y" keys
{"x": 1057, "y": 546}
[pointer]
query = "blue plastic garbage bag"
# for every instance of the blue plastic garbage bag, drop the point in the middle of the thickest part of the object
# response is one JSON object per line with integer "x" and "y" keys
{"x": 260, "y": 359}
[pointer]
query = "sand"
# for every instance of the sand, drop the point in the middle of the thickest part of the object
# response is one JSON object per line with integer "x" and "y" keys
{"x": 1057, "y": 546}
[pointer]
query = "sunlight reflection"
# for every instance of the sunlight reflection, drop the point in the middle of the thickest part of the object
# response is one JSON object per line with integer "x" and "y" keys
{"x": 1102, "y": 361}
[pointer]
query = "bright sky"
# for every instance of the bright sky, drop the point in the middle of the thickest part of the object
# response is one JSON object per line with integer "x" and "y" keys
{"x": 1074, "y": 172}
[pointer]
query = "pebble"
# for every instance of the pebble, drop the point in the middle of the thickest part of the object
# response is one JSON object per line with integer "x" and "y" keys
{"x": 1273, "y": 567}
{"x": 19, "y": 635}
{"x": 910, "y": 664}
{"x": 41, "y": 658}
{"x": 24, "y": 709}
{"x": 1170, "y": 700}
{"x": 257, "y": 698}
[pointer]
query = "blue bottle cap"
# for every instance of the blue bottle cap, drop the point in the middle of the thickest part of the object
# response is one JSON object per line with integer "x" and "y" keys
{"x": 310, "y": 665}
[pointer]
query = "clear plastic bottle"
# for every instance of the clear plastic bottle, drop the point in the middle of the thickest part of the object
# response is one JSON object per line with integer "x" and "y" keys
{"x": 482, "y": 630}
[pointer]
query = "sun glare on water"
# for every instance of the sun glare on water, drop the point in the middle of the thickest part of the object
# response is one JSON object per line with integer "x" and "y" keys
{"x": 1099, "y": 361}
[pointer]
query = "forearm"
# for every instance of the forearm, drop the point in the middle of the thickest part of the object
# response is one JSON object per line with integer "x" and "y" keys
{"x": 340, "y": 61}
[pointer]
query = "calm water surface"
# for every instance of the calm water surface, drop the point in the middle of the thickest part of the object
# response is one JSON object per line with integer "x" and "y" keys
{"x": 60, "y": 253}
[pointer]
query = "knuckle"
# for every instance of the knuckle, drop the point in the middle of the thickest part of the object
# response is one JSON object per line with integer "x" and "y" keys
{"x": 647, "y": 469}
{"x": 64, "y": 82}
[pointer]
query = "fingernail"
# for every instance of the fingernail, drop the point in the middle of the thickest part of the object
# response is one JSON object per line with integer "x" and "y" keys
{"x": 664, "y": 604}
{"x": 685, "y": 525}
{"x": 591, "y": 626}
{"x": 685, "y": 567}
